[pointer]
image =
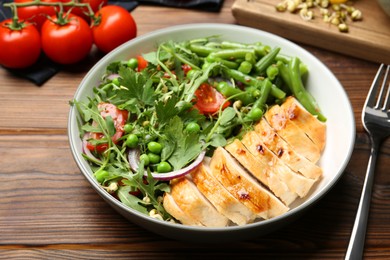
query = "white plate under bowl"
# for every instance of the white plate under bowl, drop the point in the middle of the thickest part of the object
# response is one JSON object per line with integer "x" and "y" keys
{"x": 321, "y": 82}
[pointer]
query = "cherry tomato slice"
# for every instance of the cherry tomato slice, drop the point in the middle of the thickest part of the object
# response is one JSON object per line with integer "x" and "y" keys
{"x": 142, "y": 63}
{"x": 118, "y": 116}
{"x": 209, "y": 100}
{"x": 186, "y": 68}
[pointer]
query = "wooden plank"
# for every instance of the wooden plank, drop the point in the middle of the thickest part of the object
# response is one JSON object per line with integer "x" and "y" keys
{"x": 367, "y": 39}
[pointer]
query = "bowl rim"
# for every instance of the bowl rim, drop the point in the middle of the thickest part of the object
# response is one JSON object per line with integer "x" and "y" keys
{"x": 305, "y": 204}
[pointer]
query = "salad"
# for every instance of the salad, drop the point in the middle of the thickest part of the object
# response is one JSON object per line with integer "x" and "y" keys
{"x": 154, "y": 117}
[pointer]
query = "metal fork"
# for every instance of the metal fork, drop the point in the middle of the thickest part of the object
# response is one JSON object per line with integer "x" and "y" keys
{"x": 376, "y": 121}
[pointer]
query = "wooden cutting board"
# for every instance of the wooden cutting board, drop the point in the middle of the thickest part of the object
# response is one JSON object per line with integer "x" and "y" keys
{"x": 368, "y": 39}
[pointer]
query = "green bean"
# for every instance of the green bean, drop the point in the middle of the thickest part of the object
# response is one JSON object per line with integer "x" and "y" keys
{"x": 232, "y": 54}
{"x": 272, "y": 71}
{"x": 260, "y": 50}
{"x": 227, "y": 90}
{"x": 257, "y": 110}
{"x": 249, "y": 80}
{"x": 202, "y": 50}
{"x": 249, "y": 57}
{"x": 299, "y": 91}
{"x": 266, "y": 61}
{"x": 227, "y": 63}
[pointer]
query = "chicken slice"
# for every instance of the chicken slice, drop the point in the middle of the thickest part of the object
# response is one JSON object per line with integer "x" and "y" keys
{"x": 314, "y": 128}
{"x": 292, "y": 134}
{"x": 285, "y": 152}
{"x": 222, "y": 200}
{"x": 294, "y": 181}
{"x": 244, "y": 187}
{"x": 262, "y": 170}
{"x": 192, "y": 202}
{"x": 173, "y": 209}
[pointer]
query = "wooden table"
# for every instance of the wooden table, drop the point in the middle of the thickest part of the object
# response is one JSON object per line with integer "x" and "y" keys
{"x": 49, "y": 211}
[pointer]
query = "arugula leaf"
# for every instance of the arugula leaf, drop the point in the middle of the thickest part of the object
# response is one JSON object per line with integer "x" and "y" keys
{"x": 130, "y": 200}
{"x": 110, "y": 125}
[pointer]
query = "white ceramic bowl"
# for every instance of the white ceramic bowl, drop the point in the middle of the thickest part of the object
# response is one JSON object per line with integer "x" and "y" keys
{"x": 321, "y": 83}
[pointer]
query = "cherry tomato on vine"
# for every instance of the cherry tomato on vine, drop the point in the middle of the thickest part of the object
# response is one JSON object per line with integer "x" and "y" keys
{"x": 19, "y": 48}
{"x": 209, "y": 100}
{"x": 80, "y": 11}
{"x": 35, "y": 14}
{"x": 66, "y": 42}
{"x": 115, "y": 25}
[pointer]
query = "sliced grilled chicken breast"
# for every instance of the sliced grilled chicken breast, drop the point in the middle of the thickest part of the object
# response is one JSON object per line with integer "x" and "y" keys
{"x": 285, "y": 152}
{"x": 244, "y": 187}
{"x": 294, "y": 181}
{"x": 173, "y": 209}
{"x": 262, "y": 170}
{"x": 315, "y": 129}
{"x": 222, "y": 200}
{"x": 292, "y": 134}
{"x": 192, "y": 202}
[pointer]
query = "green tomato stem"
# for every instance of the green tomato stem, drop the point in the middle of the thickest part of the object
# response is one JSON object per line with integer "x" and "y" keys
{"x": 16, "y": 25}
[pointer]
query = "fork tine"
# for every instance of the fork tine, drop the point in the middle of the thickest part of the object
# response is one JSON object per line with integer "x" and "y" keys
{"x": 387, "y": 98}
{"x": 372, "y": 96}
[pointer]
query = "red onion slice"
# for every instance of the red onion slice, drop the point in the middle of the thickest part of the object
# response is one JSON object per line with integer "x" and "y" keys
{"x": 133, "y": 157}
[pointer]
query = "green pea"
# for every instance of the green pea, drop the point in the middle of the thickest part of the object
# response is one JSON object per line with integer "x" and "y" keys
{"x": 132, "y": 141}
{"x": 128, "y": 128}
{"x": 193, "y": 127}
{"x": 191, "y": 73}
{"x": 132, "y": 63}
{"x": 164, "y": 167}
{"x": 101, "y": 175}
{"x": 255, "y": 114}
{"x": 245, "y": 67}
{"x": 155, "y": 147}
{"x": 154, "y": 158}
{"x": 144, "y": 158}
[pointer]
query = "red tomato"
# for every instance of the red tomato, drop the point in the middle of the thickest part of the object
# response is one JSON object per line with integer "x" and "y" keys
{"x": 36, "y": 14}
{"x": 186, "y": 68}
{"x": 116, "y": 26}
{"x": 142, "y": 63}
{"x": 19, "y": 48}
{"x": 209, "y": 100}
{"x": 118, "y": 116}
{"x": 80, "y": 11}
{"x": 69, "y": 43}
{"x": 98, "y": 148}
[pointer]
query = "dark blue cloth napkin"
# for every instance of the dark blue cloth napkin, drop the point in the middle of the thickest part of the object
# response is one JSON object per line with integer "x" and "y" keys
{"x": 44, "y": 69}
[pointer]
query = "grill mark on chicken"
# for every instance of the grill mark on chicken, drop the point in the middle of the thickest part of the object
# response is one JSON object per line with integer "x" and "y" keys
{"x": 295, "y": 182}
{"x": 310, "y": 125}
{"x": 292, "y": 134}
{"x": 261, "y": 170}
{"x": 223, "y": 201}
{"x": 246, "y": 189}
{"x": 290, "y": 157}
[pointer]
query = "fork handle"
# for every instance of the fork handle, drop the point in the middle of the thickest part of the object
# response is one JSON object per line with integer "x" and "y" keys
{"x": 356, "y": 243}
